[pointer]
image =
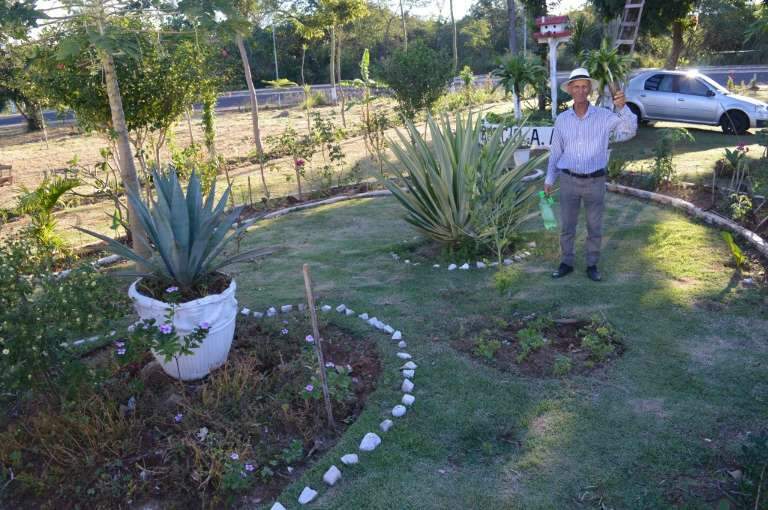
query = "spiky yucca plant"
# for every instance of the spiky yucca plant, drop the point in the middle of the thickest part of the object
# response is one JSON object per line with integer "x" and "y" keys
{"x": 607, "y": 66}
{"x": 448, "y": 180}
{"x": 187, "y": 233}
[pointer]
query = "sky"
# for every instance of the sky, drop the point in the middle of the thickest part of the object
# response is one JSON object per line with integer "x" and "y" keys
{"x": 437, "y": 8}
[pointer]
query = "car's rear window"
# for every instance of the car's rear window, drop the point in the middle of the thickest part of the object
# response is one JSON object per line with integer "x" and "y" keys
{"x": 661, "y": 83}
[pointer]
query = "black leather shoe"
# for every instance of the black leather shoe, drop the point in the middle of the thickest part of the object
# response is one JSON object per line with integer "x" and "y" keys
{"x": 594, "y": 274}
{"x": 563, "y": 270}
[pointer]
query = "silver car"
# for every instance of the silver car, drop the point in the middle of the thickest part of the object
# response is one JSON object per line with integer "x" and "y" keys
{"x": 689, "y": 96}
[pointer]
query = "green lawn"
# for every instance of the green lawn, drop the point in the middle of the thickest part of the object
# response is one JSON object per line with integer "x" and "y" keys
{"x": 659, "y": 425}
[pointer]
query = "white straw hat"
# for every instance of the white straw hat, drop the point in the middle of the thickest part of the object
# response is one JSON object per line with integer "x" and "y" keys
{"x": 579, "y": 74}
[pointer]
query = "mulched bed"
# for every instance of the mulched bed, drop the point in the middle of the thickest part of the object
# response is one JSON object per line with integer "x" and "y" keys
{"x": 236, "y": 438}
{"x": 563, "y": 352}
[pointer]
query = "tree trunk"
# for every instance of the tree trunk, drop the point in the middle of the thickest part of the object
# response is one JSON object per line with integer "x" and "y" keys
{"x": 455, "y": 41}
{"x": 405, "y": 29}
{"x": 512, "y": 28}
{"x": 251, "y": 93}
{"x": 338, "y": 77}
{"x": 127, "y": 164}
{"x": 33, "y": 122}
{"x": 518, "y": 106}
{"x": 303, "y": 58}
{"x": 333, "y": 64}
{"x": 677, "y": 45}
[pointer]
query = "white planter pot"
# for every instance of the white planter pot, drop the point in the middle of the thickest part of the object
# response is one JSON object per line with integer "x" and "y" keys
{"x": 218, "y": 310}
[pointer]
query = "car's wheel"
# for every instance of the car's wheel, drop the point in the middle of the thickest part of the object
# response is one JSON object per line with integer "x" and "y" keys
{"x": 734, "y": 122}
{"x": 636, "y": 110}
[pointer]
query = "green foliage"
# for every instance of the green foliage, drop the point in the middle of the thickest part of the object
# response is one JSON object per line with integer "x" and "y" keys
{"x": 529, "y": 340}
{"x": 328, "y": 137}
{"x": 562, "y": 366}
{"x": 299, "y": 148}
{"x": 40, "y": 312}
{"x": 598, "y": 338}
{"x": 467, "y": 76}
{"x": 754, "y": 461}
{"x": 280, "y": 83}
{"x": 468, "y": 97}
{"x": 417, "y": 78}
{"x": 339, "y": 385}
{"x": 616, "y": 168}
{"x": 607, "y": 66}
{"x": 506, "y": 278}
{"x": 486, "y": 348}
{"x": 738, "y": 255}
{"x": 516, "y": 72}
{"x": 453, "y": 178}
{"x": 741, "y": 206}
{"x": 191, "y": 159}
{"x": 188, "y": 234}
{"x": 735, "y": 157}
{"x": 663, "y": 171}
{"x": 39, "y": 205}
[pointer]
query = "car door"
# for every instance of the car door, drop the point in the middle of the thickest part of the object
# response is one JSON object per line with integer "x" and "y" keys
{"x": 659, "y": 96}
{"x": 696, "y": 102}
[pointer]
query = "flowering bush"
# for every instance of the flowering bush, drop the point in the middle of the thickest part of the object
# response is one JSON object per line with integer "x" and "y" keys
{"x": 41, "y": 314}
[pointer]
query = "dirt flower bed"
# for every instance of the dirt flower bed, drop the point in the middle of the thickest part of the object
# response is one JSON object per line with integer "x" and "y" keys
{"x": 235, "y": 438}
{"x": 539, "y": 346}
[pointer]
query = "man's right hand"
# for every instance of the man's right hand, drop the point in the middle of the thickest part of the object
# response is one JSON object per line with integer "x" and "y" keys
{"x": 548, "y": 189}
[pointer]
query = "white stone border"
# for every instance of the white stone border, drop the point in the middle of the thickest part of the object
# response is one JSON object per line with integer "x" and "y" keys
{"x": 370, "y": 440}
{"x": 713, "y": 219}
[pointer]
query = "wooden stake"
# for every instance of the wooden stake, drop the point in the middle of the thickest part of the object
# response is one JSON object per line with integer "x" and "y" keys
{"x": 318, "y": 347}
{"x": 250, "y": 192}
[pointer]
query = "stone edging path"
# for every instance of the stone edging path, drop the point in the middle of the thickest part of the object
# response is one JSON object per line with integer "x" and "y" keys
{"x": 370, "y": 440}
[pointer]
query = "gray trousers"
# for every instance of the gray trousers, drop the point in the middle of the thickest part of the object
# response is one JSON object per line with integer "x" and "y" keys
{"x": 572, "y": 191}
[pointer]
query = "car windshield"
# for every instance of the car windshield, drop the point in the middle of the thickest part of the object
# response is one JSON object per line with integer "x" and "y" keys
{"x": 713, "y": 84}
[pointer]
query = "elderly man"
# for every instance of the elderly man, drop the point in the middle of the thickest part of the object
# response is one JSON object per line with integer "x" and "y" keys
{"x": 579, "y": 155}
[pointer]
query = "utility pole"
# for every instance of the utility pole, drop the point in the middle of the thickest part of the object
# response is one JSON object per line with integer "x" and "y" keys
{"x": 274, "y": 51}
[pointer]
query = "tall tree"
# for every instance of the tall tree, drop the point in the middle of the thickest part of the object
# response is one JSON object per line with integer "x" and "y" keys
{"x": 512, "y": 28}
{"x": 659, "y": 17}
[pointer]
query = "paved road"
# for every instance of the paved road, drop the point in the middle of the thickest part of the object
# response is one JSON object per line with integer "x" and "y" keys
{"x": 292, "y": 96}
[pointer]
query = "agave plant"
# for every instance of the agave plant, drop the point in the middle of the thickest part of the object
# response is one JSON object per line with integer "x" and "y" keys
{"x": 607, "y": 66}
{"x": 187, "y": 235}
{"x": 516, "y": 72}
{"x": 448, "y": 181}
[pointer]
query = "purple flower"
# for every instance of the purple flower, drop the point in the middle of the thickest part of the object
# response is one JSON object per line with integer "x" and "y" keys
{"x": 309, "y": 387}
{"x": 121, "y": 352}
{"x": 166, "y": 328}
{"x": 283, "y": 331}
{"x": 178, "y": 418}
{"x": 310, "y": 339}
{"x": 249, "y": 467}
{"x": 234, "y": 456}
{"x": 119, "y": 344}
{"x": 171, "y": 289}
{"x": 204, "y": 325}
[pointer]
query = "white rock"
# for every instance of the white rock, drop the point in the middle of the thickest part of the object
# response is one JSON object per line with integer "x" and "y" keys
{"x": 245, "y": 311}
{"x": 404, "y": 355}
{"x": 407, "y": 386}
{"x": 325, "y": 308}
{"x": 409, "y": 373}
{"x": 386, "y": 425}
{"x": 494, "y": 264}
{"x": 370, "y": 442}
{"x": 398, "y": 411}
{"x": 349, "y": 459}
{"x": 78, "y": 342}
{"x": 258, "y": 315}
{"x": 349, "y": 311}
{"x": 397, "y": 335}
{"x": 526, "y": 253}
{"x": 302, "y": 307}
{"x": 277, "y": 506}
{"x": 748, "y": 282}
{"x": 92, "y": 339}
{"x": 341, "y": 308}
{"x": 332, "y": 475}
{"x": 451, "y": 267}
{"x": 401, "y": 344}
{"x": 271, "y": 312}
{"x": 532, "y": 244}
{"x": 508, "y": 262}
{"x": 481, "y": 265}
{"x": 286, "y": 308}
{"x": 363, "y": 316}
{"x": 307, "y": 495}
{"x": 464, "y": 266}
{"x": 436, "y": 265}
{"x": 373, "y": 321}
{"x": 408, "y": 399}
{"x": 518, "y": 257}
{"x": 379, "y": 324}
{"x": 407, "y": 261}
{"x": 410, "y": 366}
{"x": 389, "y": 329}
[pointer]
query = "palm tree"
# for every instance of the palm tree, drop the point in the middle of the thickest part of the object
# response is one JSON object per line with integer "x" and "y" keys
{"x": 607, "y": 66}
{"x": 517, "y": 72}
{"x": 39, "y": 204}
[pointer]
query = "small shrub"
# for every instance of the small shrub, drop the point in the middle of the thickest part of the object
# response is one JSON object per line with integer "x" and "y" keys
{"x": 663, "y": 171}
{"x": 562, "y": 366}
{"x": 598, "y": 339}
{"x": 754, "y": 462}
{"x": 486, "y": 348}
{"x": 530, "y": 340}
{"x": 741, "y": 206}
{"x": 616, "y": 168}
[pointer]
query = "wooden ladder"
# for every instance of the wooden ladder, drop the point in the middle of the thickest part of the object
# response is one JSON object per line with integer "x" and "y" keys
{"x": 630, "y": 25}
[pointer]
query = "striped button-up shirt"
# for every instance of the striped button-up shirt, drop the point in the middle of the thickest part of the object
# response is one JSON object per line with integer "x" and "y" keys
{"x": 580, "y": 144}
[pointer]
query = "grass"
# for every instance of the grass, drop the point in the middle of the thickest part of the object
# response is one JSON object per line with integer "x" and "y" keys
{"x": 657, "y": 427}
